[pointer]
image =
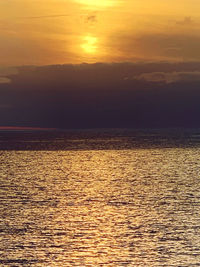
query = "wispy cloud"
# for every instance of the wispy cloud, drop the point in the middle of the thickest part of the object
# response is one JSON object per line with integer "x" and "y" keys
{"x": 6, "y": 71}
{"x": 168, "y": 77}
{"x": 4, "y": 80}
{"x": 47, "y": 16}
{"x": 91, "y": 19}
{"x": 185, "y": 21}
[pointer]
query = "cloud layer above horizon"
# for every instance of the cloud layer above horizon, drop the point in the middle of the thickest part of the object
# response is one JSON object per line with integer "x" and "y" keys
{"x": 120, "y": 95}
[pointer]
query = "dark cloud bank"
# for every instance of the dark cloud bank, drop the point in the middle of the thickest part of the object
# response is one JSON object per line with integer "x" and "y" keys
{"x": 124, "y": 95}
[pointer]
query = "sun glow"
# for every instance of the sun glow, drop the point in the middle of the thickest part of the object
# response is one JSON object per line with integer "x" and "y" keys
{"x": 89, "y": 44}
{"x": 97, "y": 3}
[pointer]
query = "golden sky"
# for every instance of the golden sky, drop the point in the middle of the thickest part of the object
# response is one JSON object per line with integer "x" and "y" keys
{"x": 36, "y": 32}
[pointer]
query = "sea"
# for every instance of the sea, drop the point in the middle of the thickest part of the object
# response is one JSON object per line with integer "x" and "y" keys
{"x": 100, "y": 198}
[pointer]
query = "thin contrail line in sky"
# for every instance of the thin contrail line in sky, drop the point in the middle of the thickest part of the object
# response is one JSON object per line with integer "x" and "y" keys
{"x": 48, "y": 16}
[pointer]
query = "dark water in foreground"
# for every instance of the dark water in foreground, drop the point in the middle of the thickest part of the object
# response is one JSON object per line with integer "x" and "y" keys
{"x": 108, "y": 200}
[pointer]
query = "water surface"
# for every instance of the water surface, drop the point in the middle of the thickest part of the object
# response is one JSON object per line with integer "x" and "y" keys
{"x": 108, "y": 207}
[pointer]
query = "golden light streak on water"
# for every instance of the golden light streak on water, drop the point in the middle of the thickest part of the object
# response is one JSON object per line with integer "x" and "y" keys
{"x": 137, "y": 207}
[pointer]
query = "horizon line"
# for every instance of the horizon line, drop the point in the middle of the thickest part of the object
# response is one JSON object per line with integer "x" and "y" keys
{"x": 25, "y": 128}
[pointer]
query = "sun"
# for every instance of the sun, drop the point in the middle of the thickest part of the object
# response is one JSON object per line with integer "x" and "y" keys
{"x": 89, "y": 44}
{"x": 97, "y": 3}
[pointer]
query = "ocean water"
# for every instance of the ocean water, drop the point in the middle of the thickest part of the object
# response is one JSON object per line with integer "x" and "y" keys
{"x": 107, "y": 205}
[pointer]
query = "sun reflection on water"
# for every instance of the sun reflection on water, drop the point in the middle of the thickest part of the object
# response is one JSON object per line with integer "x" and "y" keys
{"x": 135, "y": 207}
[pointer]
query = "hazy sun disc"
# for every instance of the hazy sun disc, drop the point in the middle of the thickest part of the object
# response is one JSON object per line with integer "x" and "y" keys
{"x": 97, "y": 3}
{"x": 90, "y": 44}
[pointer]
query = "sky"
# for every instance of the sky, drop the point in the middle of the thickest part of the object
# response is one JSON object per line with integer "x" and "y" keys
{"x": 36, "y": 32}
{"x": 99, "y": 64}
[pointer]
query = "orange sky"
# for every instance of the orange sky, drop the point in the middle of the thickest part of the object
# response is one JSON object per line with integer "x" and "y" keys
{"x": 74, "y": 31}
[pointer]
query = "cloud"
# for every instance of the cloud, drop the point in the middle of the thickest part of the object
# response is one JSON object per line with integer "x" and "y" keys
{"x": 180, "y": 46}
{"x": 174, "y": 46}
{"x": 4, "y": 80}
{"x": 47, "y": 16}
{"x": 185, "y": 21}
{"x": 169, "y": 77}
{"x": 91, "y": 19}
{"x": 6, "y": 71}
{"x": 117, "y": 95}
